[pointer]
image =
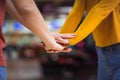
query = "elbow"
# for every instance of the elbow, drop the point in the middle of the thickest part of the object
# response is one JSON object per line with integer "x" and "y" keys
{"x": 24, "y": 7}
{"x": 24, "y": 11}
{"x": 101, "y": 11}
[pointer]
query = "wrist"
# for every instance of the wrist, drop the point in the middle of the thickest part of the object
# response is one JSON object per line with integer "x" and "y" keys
{"x": 50, "y": 42}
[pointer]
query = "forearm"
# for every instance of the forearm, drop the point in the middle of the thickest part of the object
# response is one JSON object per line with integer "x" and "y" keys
{"x": 74, "y": 17}
{"x": 13, "y": 12}
{"x": 33, "y": 19}
{"x": 96, "y": 15}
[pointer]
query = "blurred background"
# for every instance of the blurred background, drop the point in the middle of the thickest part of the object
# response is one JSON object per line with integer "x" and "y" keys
{"x": 28, "y": 61}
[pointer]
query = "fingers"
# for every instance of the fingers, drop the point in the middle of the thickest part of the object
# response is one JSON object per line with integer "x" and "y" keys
{"x": 67, "y": 36}
{"x": 55, "y": 51}
{"x": 67, "y": 50}
{"x": 62, "y": 41}
{"x": 51, "y": 51}
{"x": 63, "y": 38}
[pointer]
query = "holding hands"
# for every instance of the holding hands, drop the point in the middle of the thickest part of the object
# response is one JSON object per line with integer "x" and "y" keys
{"x": 61, "y": 43}
{"x": 52, "y": 42}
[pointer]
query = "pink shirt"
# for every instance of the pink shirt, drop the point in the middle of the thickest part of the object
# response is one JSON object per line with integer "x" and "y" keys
{"x": 2, "y": 41}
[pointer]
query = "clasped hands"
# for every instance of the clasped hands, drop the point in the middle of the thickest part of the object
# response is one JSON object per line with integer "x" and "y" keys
{"x": 61, "y": 44}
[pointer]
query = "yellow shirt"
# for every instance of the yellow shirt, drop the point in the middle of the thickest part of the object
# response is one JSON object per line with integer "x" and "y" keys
{"x": 102, "y": 20}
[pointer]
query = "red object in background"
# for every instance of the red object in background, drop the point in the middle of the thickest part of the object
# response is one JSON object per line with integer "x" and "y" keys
{"x": 2, "y": 41}
{"x": 81, "y": 44}
{"x": 63, "y": 60}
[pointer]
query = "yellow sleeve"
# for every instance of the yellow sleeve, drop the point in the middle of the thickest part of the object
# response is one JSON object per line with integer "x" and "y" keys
{"x": 74, "y": 17}
{"x": 98, "y": 13}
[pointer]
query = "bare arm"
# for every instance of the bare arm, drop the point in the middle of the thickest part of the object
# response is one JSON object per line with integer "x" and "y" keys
{"x": 28, "y": 14}
{"x": 13, "y": 12}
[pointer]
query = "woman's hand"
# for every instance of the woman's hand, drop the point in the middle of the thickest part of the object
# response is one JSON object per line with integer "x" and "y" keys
{"x": 63, "y": 38}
